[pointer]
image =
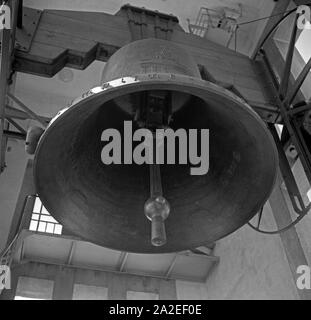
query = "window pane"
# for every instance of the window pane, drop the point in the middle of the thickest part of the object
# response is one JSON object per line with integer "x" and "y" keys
{"x": 33, "y": 225}
{"x": 35, "y": 216}
{"x": 47, "y": 219}
{"x": 34, "y": 289}
{"x": 44, "y": 211}
{"x": 135, "y": 295}
{"x": 26, "y": 298}
{"x": 83, "y": 292}
{"x": 42, "y": 221}
{"x": 50, "y": 227}
{"x": 58, "y": 229}
{"x": 37, "y": 206}
{"x": 42, "y": 226}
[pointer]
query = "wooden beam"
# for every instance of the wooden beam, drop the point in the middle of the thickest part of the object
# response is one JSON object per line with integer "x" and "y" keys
{"x": 16, "y": 125}
{"x": 5, "y": 60}
{"x": 75, "y": 39}
{"x": 14, "y": 135}
{"x": 290, "y": 239}
{"x": 288, "y": 61}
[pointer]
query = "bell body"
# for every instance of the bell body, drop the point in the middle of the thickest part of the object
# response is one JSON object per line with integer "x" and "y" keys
{"x": 104, "y": 204}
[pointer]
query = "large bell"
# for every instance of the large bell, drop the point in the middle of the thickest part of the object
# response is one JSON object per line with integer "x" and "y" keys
{"x": 105, "y": 204}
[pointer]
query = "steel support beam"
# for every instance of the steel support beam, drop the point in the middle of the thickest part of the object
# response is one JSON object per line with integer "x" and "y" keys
{"x": 299, "y": 81}
{"x": 13, "y": 113}
{"x": 290, "y": 123}
{"x": 288, "y": 62}
{"x": 31, "y": 114}
{"x": 16, "y": 125}
{"x": 5, "y": 59}
{"x": 290, "y": 239}
{"x": 14, "y": 135}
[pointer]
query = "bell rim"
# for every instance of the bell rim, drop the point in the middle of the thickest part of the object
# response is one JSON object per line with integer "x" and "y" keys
{"x": 154, "y": 79}
{"x": 141, "y": 82}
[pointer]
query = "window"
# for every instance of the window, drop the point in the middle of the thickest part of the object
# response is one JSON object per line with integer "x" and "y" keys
{"x": 26, "y": 298}
{"x": 42, "y": 221}
{"x": 34, "y": 289}
{"x": 303, "y": 44}
{"x": 84, "y": 292}
{"x": 137, "y": 295}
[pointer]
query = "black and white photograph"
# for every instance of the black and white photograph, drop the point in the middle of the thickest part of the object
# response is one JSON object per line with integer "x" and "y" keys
{"x": 155, "y": 154}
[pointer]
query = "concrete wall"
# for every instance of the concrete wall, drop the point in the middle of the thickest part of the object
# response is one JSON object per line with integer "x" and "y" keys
{"x": 10, "y": 184}
{"x": 252, "y": 266}
{"x": 64, "y": 279}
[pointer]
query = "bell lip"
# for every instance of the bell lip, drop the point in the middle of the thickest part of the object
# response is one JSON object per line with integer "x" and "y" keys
{"x": 155, "y": 79}
{"x": 158, "y": 81}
